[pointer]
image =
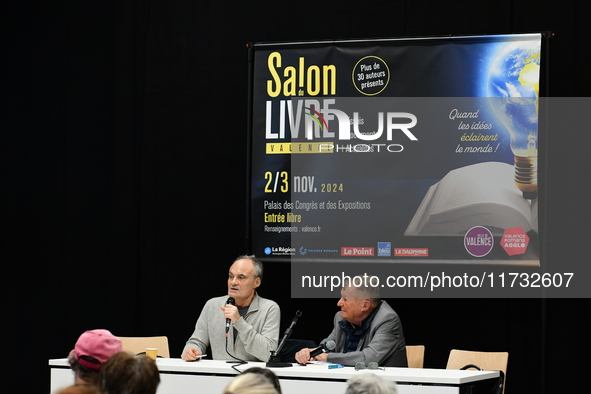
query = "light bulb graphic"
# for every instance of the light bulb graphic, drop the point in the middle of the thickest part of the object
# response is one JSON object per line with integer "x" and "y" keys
{"x": 513, "y": 85}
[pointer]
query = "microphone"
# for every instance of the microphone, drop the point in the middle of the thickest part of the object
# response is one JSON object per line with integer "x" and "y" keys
{"x": 231, "y": 301}
{"x": 328, "y": 346}
{"x": 275, "y": 360}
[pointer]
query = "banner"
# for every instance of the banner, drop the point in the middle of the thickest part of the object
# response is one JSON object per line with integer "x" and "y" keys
{"x": 396, "y": 151}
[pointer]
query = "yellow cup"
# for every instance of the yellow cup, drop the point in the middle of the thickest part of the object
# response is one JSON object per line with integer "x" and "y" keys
{"x": 152, "y": 352}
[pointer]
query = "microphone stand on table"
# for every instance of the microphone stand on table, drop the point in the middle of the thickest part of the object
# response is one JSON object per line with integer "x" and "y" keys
{"x": 275, "y": 360}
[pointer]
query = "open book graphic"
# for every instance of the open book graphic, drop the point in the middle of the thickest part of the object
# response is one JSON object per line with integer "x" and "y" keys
{"x": 482, "y": 194}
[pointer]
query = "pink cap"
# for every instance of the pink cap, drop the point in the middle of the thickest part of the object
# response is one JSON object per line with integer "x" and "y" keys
{"x": 99, "y": 344}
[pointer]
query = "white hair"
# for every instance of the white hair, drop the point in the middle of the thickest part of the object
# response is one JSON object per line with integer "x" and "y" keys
{"x": 369, "y": 383}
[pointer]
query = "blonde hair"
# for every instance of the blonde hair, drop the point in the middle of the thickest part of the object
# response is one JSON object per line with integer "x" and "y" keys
{"x": 250, "y": 383}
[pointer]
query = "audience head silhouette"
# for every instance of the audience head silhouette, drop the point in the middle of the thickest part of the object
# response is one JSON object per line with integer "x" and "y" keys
{"x": 270, "y": 375}
{"x": 92, "y": 350}
{"x": 250, "y": 383}
{"x": 127, "y": 374}
{"x": 369, "y": 383}
{"x": 80, "y": 389}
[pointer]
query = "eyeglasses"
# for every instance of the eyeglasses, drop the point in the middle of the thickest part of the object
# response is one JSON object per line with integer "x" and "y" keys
{"x": 372, "y": 365}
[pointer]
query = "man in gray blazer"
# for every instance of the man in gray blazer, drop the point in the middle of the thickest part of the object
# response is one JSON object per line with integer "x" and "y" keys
{"x": 365, "y": 330}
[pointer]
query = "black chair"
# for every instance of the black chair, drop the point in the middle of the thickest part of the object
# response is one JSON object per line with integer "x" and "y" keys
{"x": 291, "y": 346}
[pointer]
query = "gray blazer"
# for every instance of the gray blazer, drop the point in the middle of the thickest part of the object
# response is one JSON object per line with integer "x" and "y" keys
{"x": 383, "y": 342}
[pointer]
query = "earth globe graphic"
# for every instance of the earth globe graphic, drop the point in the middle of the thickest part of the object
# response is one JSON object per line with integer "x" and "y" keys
{"x": 513, "y": 85}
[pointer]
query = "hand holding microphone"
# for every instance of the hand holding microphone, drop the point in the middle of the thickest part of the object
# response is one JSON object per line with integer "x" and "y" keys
{"x": 325, "y": 348}
{"x": 304, "y": 355}
{"x": 228, "y": 312}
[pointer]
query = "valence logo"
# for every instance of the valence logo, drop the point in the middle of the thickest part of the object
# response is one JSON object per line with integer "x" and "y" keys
{"x": 478, "y": 241}
{"x": 515, "y": 241}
